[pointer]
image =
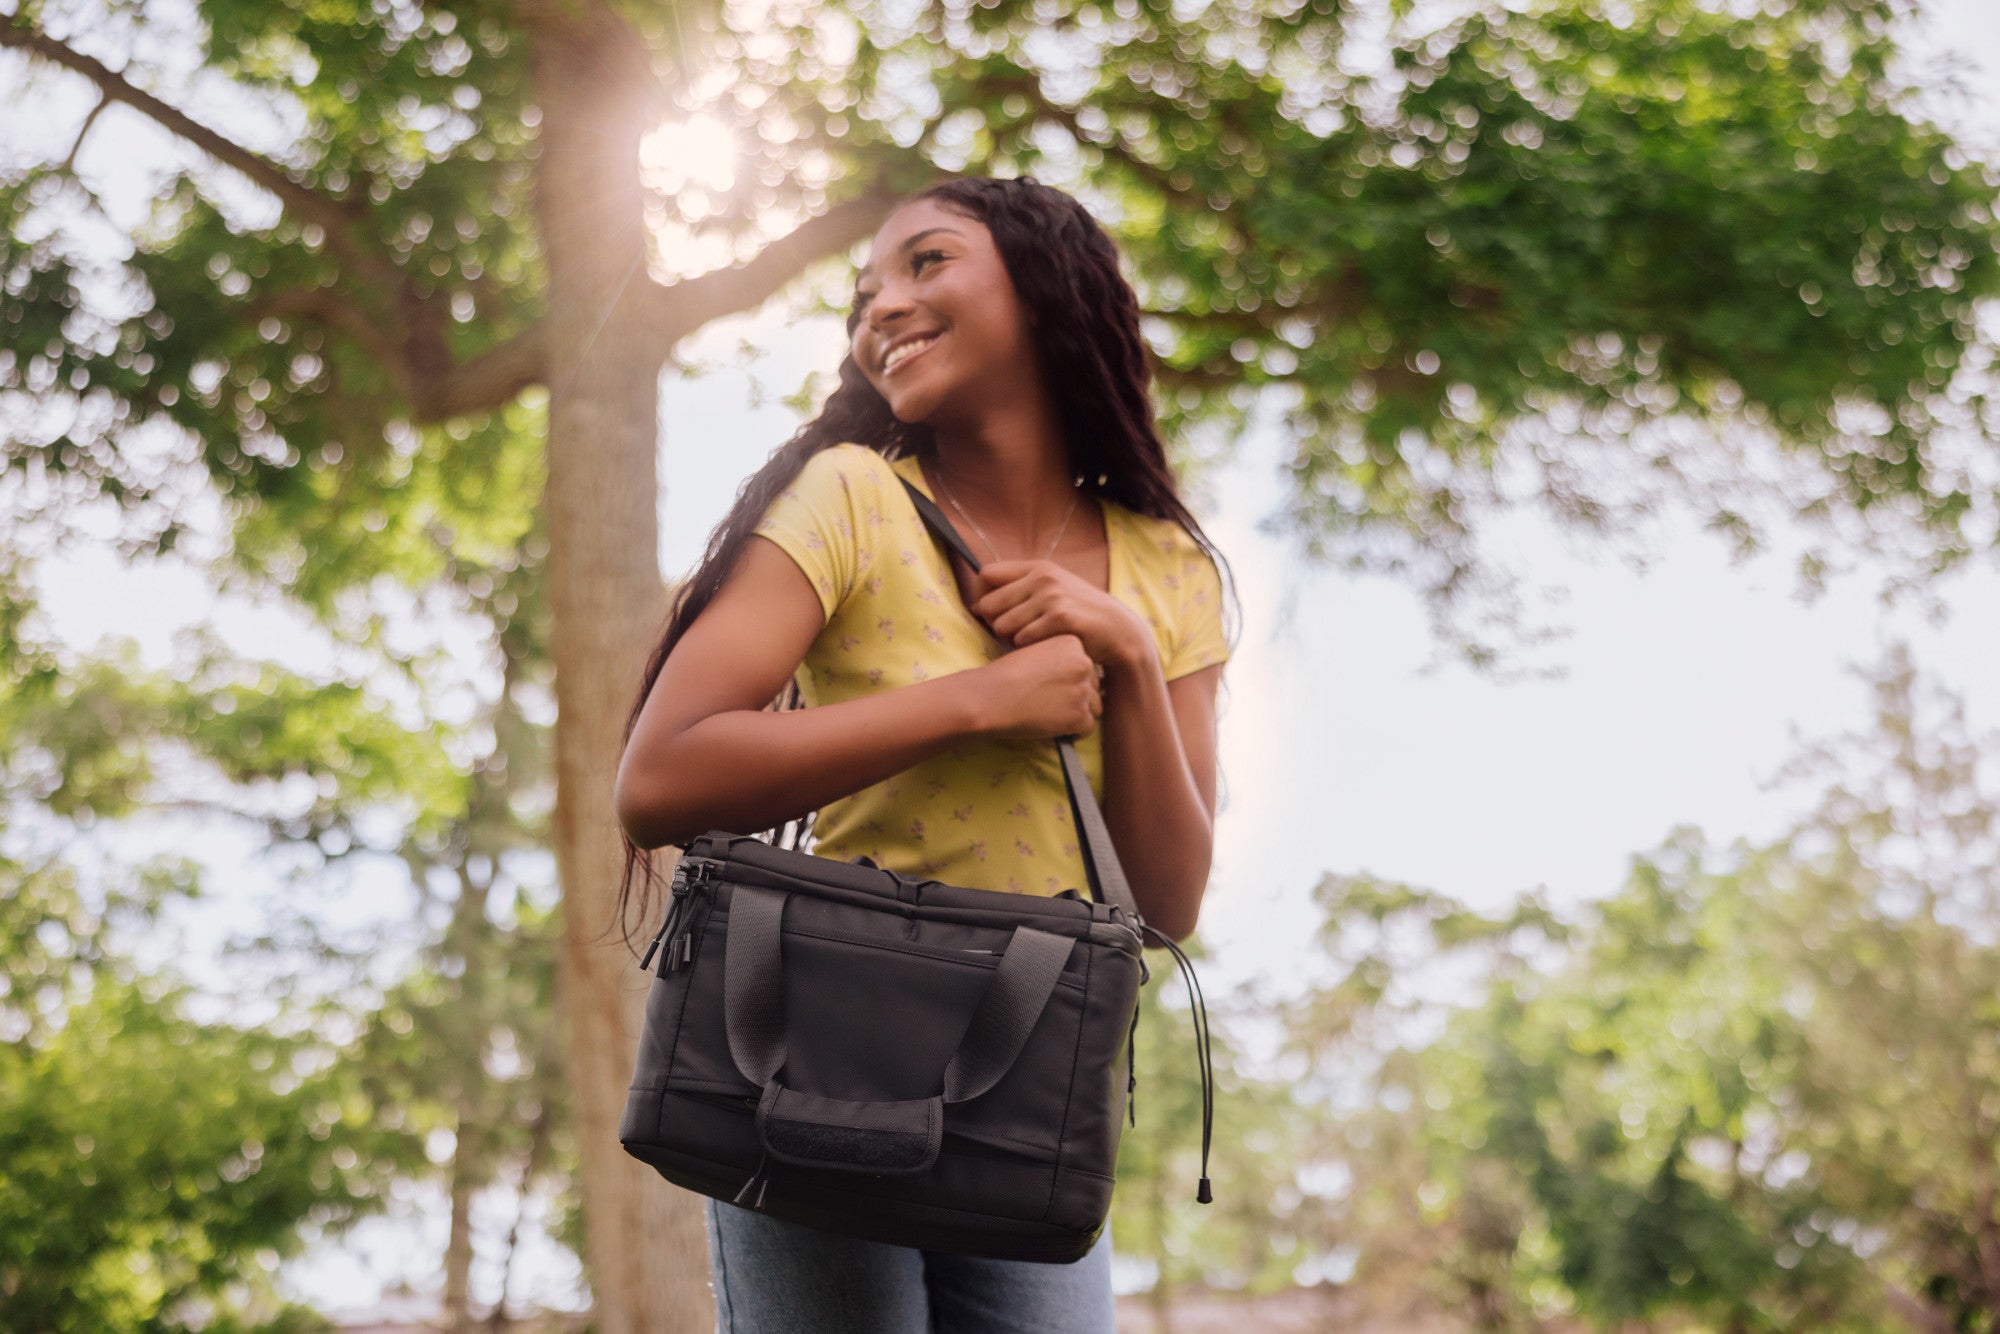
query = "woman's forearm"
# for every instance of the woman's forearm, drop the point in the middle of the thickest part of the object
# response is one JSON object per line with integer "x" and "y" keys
{"x": 751, "y": 769}
{"x": 1157, "y": 817}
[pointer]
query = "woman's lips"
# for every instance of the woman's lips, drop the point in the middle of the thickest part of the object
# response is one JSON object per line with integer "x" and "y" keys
{"x": 934, "y": 341}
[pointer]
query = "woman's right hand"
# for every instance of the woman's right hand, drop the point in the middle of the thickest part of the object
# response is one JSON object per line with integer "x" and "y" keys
{"x": 1043, "y": 690}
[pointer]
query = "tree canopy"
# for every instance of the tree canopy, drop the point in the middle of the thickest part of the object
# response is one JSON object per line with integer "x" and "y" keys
{"x": 1551, "y": 254}
{"x": 1751, "y": 1090}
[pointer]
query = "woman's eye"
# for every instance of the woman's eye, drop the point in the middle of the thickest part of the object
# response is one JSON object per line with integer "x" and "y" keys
{"x": 861, "y": 299}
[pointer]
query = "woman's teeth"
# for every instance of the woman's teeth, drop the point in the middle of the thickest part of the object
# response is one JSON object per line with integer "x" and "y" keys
{"x": 904, "y": 351}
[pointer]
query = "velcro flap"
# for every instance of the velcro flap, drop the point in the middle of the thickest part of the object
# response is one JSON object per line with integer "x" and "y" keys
{"x": 881, "y": 1138}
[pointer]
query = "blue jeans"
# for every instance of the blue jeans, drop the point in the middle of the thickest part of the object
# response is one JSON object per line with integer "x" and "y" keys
{"x": 775, "y": 1277}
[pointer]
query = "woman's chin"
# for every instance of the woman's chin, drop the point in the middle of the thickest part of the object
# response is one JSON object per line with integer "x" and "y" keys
{"x": 913, "y": 409}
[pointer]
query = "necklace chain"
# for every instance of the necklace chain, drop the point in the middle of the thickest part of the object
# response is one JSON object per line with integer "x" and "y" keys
{"x": 1073, "y": 501}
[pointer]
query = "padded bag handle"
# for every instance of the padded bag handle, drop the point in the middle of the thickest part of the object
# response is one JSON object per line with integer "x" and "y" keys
{"x": 1100, "y": 859}
{"x": 860, "y": 1136}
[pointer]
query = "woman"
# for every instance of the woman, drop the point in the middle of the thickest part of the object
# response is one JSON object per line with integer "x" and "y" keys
{"x": 995, "y": 362}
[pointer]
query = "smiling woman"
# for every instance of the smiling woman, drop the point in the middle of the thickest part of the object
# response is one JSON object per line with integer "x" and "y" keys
{"x": 994, "y": 364}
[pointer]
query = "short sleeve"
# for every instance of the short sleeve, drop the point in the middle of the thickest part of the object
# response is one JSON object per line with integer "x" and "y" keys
{"x": 813, "y": 520}
{"x": 1199, "y": 640}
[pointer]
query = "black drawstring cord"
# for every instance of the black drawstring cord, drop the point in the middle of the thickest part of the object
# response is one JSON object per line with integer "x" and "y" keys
{"x": 666, "y": 929}
{"x": 760, "y": 1179}
{"x": 1204, "y": 1058}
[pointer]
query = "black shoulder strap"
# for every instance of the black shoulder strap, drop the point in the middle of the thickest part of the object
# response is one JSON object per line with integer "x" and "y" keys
{"x": 1100, "y": 859}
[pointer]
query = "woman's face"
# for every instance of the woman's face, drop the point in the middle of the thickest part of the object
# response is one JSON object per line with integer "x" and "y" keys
{"x": 936, "y": 296}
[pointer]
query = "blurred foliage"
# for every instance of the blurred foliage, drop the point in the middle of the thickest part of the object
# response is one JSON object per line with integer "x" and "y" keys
{"x": 434, "y": 1031}
{"x": 1246, "y": 1240}
{"x": 1747, "y": 1092}
{"x": 155, "y": 1168}
{"x": 1566, "y": 255}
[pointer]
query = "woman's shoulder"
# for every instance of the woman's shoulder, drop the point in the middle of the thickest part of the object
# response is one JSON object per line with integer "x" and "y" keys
{"x": 1163, "y": 545}
{"x": 841, "y": 479}
{"x": 844, "y": 464}
{"x": 1180, "y": 584}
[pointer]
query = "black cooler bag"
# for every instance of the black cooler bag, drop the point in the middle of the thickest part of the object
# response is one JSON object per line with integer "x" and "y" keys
{"x": 887, "y": 1057}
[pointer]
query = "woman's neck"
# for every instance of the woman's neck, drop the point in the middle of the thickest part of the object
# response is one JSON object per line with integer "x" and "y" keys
{"x": 1013, "y": 465}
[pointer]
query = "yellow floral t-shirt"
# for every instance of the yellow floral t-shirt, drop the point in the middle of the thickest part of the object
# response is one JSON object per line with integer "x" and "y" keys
{"x": 987, "y": 813}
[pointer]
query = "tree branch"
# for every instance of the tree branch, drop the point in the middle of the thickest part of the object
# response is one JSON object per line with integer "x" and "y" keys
{"x": 678, "y": 309}
{"x": 329, "y": 307}
{"x": 82, "y": 133}
{"x": 332, "y": 214}
{"x": 451, "y": 389}
{"x": 490, "y": 379}
{"x": 436, "y": 387}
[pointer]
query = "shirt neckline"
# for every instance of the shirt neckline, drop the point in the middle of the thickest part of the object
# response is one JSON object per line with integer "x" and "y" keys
{"x": 907, "y": 467}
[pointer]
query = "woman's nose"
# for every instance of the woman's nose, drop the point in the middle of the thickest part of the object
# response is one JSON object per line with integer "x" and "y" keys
{"x": 887, "y": 306}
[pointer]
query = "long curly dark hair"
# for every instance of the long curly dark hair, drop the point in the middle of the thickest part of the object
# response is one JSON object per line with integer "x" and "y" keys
{"x": 1089, "y": 353}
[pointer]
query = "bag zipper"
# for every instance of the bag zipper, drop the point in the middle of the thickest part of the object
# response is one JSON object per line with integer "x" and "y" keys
{"x": 689, "y": 875}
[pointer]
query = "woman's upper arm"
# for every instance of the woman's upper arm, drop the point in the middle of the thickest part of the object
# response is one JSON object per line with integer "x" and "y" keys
{"x": 738, "y": 654}
{"x": 1193, "y": 698}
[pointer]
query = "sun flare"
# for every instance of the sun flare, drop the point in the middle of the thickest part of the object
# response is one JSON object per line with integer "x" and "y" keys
{"x": 686, "y": 162}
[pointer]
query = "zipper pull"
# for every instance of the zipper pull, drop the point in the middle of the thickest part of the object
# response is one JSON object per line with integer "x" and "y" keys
{"x": 679, "y": 886}
{"x": 680, "y": 946}
{"x": 673, "y": 915}
{"x": 646, "y": 959}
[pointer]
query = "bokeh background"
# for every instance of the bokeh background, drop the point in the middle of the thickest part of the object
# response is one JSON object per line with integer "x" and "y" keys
{"x": 1590, "y": 397}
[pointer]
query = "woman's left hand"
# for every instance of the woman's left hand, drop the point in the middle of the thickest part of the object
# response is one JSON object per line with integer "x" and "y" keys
{"x": 1023, "y": 601}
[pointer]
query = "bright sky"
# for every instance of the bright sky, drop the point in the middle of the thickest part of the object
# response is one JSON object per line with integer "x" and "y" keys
{"x": 1685, "y": 688}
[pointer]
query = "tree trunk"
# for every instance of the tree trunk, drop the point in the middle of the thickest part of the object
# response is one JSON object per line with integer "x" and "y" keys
{"x": 645, "y": 1249}
{"x": 458, "y": 1248}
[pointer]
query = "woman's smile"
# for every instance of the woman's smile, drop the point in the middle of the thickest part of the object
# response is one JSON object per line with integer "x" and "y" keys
{"x": 907, "y": 352}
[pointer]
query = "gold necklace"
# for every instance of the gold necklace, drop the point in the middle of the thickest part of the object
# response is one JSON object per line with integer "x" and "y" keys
{"x": 1073, "y": 502}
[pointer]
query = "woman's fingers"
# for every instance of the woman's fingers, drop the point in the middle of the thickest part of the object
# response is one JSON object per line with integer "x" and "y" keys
{"x": 1029, "y": 627}
{"x": 998, "y": 572}
{"x": 1004, "y": 590}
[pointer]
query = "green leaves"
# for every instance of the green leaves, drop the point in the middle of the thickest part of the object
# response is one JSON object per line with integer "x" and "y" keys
{"x": 1752, "y": 1090}
{"x": 154, "y": 1168}
{"x": 1559, "y": 257}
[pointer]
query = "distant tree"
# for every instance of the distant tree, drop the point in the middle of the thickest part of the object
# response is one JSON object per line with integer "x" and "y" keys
{"x": 1751, "y": 1093}
{"x": 154, "y": 1168}
{"x": 446, "y": 1021}
{"x": 1542, "y": 248}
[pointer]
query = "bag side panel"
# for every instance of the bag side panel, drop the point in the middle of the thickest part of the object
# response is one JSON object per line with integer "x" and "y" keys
{"x": 659, "y": 1040}
{"x": 1095, "y": 1115}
